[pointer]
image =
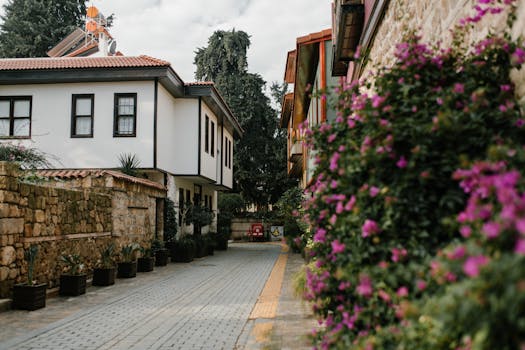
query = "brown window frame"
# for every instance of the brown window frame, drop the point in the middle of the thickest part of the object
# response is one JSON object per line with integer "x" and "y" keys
{"x": 11, "y": 117}
{"x": 74, "y": 116}
{"x": 212, "y": 142}
{"x": 116, "y": 114}
{"x": 207, "y": 134}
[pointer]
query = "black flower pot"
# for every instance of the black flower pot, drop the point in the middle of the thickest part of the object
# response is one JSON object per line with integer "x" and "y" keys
{"x": 145, "y": 264}
{"x": 222, "y": 244}
{"x": 104, "y": 276}
{"x": 127, "y": 269}
{"x": 72, "y": 285}
{"x": 161, "y": 257}
{"x": 28, "y": 297}
{"x": 211, "y": 249}
{"x": 182, "y": 253}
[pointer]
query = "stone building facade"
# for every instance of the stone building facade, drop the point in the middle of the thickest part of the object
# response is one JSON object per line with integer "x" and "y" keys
{"x": 433, "y": 20}
{"x": 73, "y": 213}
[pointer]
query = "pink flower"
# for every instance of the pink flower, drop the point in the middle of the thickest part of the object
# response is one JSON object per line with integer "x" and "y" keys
{"x": 374, "y": 191}
{"x": 465, "y": 231}
{"x": 350, "y": 205}
{"x": 459, "y": 88}
{"x": 334, "y": 160}
{"x": 339, "y": 208}
{"x": 365, "y": 286}
{"x": 491, "y": 229}
{"x": 384, "y": 295}
{"x": 473, "y": 263}
{"x": 520, "y": 247}
{"x": 402, "y": 292}
{"x": 398, "y": 254}
{"x": 520, "y": 226}
{"x": 320, "y": 235}
{"x": 402, "y": 162}
{"x": 338, "y": 247}
{"x": 458, "y": 253}
{"x": 370, "y": 227}
{"x": 439, "y": 101}
{"x": 332, "y": 138}
{"x": 421, "y": 285}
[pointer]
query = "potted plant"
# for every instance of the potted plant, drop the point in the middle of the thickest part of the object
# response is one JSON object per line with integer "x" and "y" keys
{"x": 201, "y": 249}
{"x": 29, "y": 295}
{"x": 127, "y": 267}
{"x": 161, "y": 253}
{"x": 104, "y": 273}
{"x": 146, "y": 261}
{"x": 221, "y": 240}
{"x": 211, "y": 242}
{"x": 182, "y": 250}
{"x": 73, "y": 281}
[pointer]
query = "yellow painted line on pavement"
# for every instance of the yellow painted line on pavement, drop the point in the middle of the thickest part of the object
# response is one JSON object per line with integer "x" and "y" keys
{"x": 266, "y": 306}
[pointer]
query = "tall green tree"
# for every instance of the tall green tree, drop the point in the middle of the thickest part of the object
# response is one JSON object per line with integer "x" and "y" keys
{"x": 31, "y": 27}
{"x": 260, "y": 171}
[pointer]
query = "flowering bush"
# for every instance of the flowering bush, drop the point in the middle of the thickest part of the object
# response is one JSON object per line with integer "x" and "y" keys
{"x": 385, "y": 200}
{"x": 28, "y": 158}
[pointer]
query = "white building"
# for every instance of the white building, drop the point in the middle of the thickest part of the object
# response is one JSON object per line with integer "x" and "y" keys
{"x": 87, "y": 111}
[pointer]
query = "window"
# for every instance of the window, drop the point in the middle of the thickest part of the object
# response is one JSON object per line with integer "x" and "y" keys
{"x": 15, "y": 116}
{"x": 225, "y": 152}
{"x": 212, "y": 139}
{"x": 207, "y": 135}
{"x": 188, "y": 202}
{"x": 230, "y": 153}
{"x": 181, "y": 204}
{"x": 125, "y": 115}
{"x": 82, "y": 115}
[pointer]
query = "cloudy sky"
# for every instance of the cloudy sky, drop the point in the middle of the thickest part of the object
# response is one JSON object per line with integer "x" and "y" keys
{"x": 174, "y": 29}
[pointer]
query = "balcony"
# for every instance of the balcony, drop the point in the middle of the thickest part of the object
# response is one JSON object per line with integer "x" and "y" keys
{"x": 296, "y": 152}
{"x": 349, "y": 20}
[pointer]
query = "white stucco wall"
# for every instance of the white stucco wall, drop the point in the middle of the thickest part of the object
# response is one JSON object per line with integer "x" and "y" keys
{"x": 227, "y": 173}
{"x": 177, "y": 133}
{"x": 51, "y": 123}
{"x": 209, "y": 162}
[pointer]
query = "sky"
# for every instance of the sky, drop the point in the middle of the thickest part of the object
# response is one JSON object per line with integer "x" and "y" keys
{"x": 173, "y": 29}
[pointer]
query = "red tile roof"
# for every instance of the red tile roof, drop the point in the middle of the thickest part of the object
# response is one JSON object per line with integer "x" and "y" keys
{"x": 80, "y": 62}
{"x": 315, "y": 37}
{"x": 200, "y": 83}
{"x": 78, "y": 173}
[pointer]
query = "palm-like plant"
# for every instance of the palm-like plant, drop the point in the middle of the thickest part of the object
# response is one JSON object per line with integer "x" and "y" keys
{"x": 129, "y": 163}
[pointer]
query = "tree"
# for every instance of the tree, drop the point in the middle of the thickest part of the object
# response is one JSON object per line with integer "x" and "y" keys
{"x": 31, "y": 27}
{"x": 260, "y": 168}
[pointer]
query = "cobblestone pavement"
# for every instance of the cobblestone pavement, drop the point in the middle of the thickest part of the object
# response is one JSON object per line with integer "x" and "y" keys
{"x": 201, "y": 305}
{"x": 293, "y": 319}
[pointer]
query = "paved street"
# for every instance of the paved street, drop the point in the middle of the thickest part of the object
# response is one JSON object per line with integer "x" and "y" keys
{"x": 201, "y": 305}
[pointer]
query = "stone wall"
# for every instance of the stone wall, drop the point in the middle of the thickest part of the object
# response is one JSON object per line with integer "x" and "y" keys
{"x": 80, "y": 216}
{"x": 434, "y": 19}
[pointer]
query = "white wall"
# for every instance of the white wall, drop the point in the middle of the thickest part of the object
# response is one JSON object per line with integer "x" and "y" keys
{"x": 177, "y": 133}
{"x": 209, "y": 162}
{"x": 227, "y": 173}
{"x": 51, "y": 123}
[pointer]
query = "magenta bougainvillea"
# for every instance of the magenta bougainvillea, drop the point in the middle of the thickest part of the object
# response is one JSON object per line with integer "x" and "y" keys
{"x": 418, "y": 198}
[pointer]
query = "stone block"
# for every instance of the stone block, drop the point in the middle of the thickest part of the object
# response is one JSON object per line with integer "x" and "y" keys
{"x": 25, "y": 190}
{"x": 37, "y": 230}
{"x": 13, "y": 273}
{"x": 11, "y": 225}
{"x": 4, "y": 273}
{"x": 7, "y": 255}
{"x": 4, "y": 210}
{"x": 40, "y": 216}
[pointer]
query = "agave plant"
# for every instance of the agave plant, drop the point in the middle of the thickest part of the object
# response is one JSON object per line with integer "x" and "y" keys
{"x": 128, "y": 252}
{"x": 73, "y": 262}
{"x": 129, "y": 164}
{"x": 107, "y": 255}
